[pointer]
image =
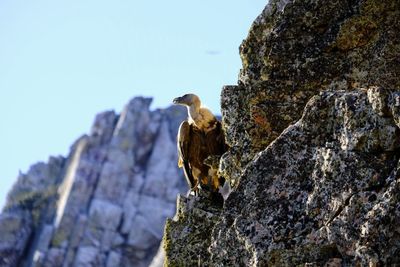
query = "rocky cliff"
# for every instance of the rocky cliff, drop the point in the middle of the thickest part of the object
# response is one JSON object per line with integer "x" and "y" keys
{"x": 313, "y": 126}
{"x": 103, "y": 205}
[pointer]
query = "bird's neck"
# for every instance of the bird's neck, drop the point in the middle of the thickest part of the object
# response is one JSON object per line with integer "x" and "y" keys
{"x": 194, "y": 112}
{"x": 202, "y": 118}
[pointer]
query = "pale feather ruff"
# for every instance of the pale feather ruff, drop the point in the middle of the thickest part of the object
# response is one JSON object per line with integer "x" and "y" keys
{"x": 203, "y": 118}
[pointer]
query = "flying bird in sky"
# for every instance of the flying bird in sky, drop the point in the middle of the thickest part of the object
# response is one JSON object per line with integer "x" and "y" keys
{"x": 200, "y": 143}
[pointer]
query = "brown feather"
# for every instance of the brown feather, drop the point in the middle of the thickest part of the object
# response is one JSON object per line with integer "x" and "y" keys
{"x": 194, "y": 146}
{"x": 183, "y": 143}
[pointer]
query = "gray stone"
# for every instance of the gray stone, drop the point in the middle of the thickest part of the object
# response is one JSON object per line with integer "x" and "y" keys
{"x": 163, "y": 160}
{"x": 118, "y": 241}
{"x": 155, "y": 211}
{"x": 130, "y": 210}
{"x": 45, "y": 237}
{"x": 16, "y": 229}
{"x": 104, "y": 214}
{"x": 309, "y": 197}
{"x": 142, "y": 237}
{"x": 87, "y": 256}
{"x": 313, "y": 130}
{"x": 54, "y": 257}
{"x": 92, "y": 237}
{"x": 113, "y": 259}
{"x": 108, "y": 240}
{"x": 158, "y": 260}
{"x": 89, "y": 209}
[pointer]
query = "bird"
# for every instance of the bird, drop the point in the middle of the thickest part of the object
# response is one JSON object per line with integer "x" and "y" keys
{"x": 200, "y": 142}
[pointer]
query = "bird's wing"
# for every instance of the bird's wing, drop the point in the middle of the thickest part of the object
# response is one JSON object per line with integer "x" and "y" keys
{"x": 216, "y": 144}
{"x": 183, "y": 143}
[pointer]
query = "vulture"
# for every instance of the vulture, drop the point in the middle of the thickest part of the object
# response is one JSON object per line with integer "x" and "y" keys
{"x": 200, "y": 144}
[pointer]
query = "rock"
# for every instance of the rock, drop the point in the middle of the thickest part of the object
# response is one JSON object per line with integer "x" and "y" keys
{"x": 313, "y": 130}
{"x": 155, "y": 211}
{"x": 106, "y": 203}
{"x": 54, "y": 257}
{"x": 17, "y": 229}
{"x": 88, "y": 256}
{"x": 317, "y": 195}
{"x": 45, "y": 237}
{"x": 295, "y": 50}
{"x": 158, "y": 260}
{"x": 140, "y": 236}
{"x": 312, "y": 171}
{"x": 327, "y": 188}
{"x": 163, "y": 162}
{"x": 36, "y": 190}
{"x": 113, "y": 259}
{"x": 105, "y": 215}
{"x": 192, "y": 225}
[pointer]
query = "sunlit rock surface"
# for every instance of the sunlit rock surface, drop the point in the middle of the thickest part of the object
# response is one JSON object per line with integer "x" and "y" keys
{"x": 103, "y": 205}
{"x": 313, "y": 126}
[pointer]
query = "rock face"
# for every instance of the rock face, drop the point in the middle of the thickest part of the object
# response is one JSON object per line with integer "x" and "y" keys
{"x": 294, "y": 50}
{"x": 313, "y": 127}
{"x": 103, "y": 205}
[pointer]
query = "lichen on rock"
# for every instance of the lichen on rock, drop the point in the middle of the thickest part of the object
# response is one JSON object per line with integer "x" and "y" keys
{"x": 296, "y": 49}
{"x": 313, "y": 130}
{"x": 192, "y": 224}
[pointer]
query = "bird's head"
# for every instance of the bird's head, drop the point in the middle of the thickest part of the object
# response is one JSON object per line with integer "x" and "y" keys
{"x": 187, "y": 100}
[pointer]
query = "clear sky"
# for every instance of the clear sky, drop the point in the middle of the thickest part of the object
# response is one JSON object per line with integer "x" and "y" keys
{"x": 62, "y": 62}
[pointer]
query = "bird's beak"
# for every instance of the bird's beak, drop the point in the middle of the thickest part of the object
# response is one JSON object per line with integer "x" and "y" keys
{"x": 177, "y": 100}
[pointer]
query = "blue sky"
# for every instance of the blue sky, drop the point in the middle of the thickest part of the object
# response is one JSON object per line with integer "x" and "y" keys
{"x": 62, "y": 62}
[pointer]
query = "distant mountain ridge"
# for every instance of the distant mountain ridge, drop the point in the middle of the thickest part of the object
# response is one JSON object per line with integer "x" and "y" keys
{"x": 106, "y": 202}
